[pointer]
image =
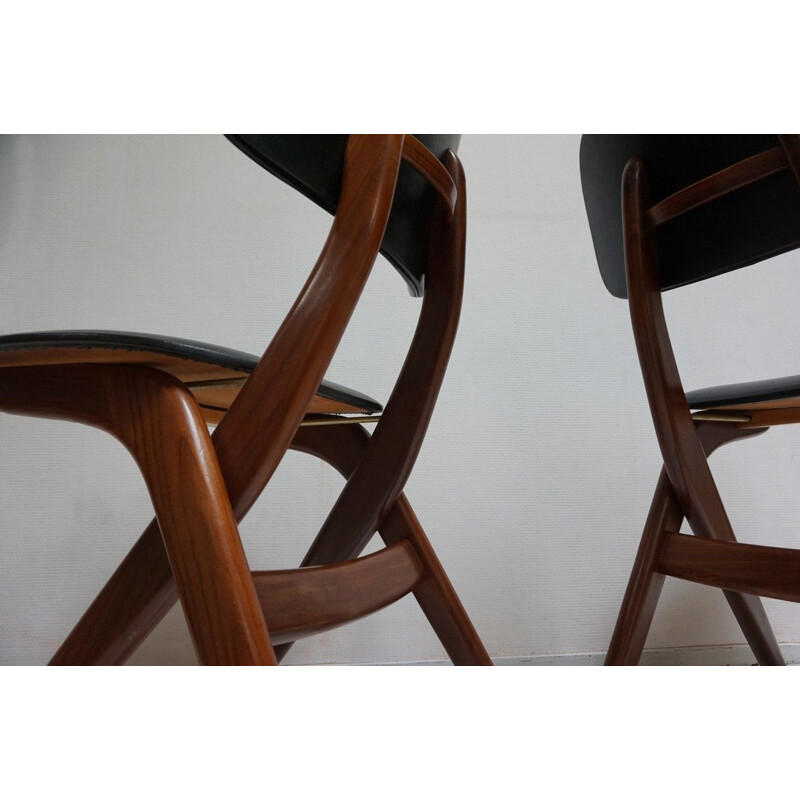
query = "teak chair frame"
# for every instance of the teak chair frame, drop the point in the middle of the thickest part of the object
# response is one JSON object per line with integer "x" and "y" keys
{"x": 686, "y": 487}
{"x": 202, "y": 485}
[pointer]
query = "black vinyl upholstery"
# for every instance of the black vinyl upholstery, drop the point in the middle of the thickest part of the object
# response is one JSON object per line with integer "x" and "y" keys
{"x": 735, "y": 394}
{"x": 313, "y": 164}
{"x": 734, "y": 231}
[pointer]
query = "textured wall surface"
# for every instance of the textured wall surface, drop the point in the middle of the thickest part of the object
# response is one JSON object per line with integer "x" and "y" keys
{"x": 536, "y": 475}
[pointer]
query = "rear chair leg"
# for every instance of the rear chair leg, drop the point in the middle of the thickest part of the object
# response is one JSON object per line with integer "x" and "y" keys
{"x": 434, "y": 593}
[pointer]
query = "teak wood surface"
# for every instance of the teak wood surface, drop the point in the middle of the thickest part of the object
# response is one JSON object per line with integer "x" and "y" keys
{"x": 192, "y": 551}
{"x": 686, "y": 487}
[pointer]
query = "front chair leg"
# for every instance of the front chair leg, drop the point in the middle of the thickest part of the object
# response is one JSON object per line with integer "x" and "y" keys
{"x": 158, "y": 421}
{"x": 645, "y": 583}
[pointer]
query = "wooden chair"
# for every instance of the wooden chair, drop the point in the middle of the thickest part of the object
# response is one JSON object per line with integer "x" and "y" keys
{"x": 666, "y": 211}
{"x": 402, "y": 195}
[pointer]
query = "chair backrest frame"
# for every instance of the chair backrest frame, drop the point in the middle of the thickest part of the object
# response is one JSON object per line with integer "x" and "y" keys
{"x": 705, "y": 228}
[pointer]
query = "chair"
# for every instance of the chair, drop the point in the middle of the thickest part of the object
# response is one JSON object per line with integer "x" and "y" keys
{"x": 666, "y": 211}
{"x": 401, "y": 195}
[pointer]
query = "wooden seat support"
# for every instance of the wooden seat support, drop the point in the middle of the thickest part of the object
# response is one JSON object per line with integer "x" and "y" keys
{"x": 264, "y": 420}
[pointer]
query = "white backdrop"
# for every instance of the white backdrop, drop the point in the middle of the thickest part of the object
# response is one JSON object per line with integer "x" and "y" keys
{"x": 535, "y": 477}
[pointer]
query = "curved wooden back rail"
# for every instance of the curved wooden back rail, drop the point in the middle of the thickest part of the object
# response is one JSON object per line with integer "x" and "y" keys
{"x": 265, "y": 420}
{"x": 687, "y": 487}
{"x": 737, "y": 176}
{"x": 394, "y": 446}
{"x": 423, "y": 161}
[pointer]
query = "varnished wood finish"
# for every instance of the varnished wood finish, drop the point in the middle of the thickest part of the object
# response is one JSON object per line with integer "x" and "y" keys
{"x": 215, "y": 387}
{"x": 756, "y": 569}
{"x": 343, "y": 449}
{"x": 302, "y": 602}
{"x": 423, "y": 161}
{"x": 251, "y": 438}
{"x": 157, "y": 420}
{"x": 255, "y": 433}
{"x": 371, "y": 499}
{"x": 392, "y": 450}
{"x": 434, "y": 593}
{"x": 646, "y": 580}
{"x": 763, "y": 417}
{"x": 720, "y": 183}
{"x": 130, "y": 605}
{"x": 684, "y": 459}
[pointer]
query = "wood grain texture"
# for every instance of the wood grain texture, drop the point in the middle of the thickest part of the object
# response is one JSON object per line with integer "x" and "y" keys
{"x": 252, "y": 436}
{"x": 343, "y": 447}
{"x": 425, "y": 162}
{"x": 156, "y": 418}
{"x": 371, "y": 499}
{"x": 647, "y": 580}
{"x": 392, "y": 450}
{"x": 187, "y": 370}
{"x": 257, "y": 430}
{"x": 756, "y": 569}
{"x": 302, "y": 602}
{"x": 685, "y": 461}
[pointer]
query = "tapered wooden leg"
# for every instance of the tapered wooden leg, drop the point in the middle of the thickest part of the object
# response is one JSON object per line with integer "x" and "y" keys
{"x": 645, "y": 583}
{"x": 157, "y": 419}
{"x": 435, "y": 594}
{"x": 749, "y": 612}
{"x": 134, "y": 600}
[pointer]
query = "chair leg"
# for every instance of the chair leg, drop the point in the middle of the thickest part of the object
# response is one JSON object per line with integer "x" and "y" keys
{"x": 749, "y": 612}
{"x": 134, "y": 600}
{"x": 179, "y": 463}
{"x": 645, "y": 583}
{"x": 435, "y": 594}
{"x": 158, "y": 421}
{"x": 142, "y": 590}
{"x": 343, "y": 447}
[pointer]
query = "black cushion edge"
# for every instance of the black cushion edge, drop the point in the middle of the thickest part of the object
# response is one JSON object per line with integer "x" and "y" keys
{"x": 741, "y": 393}
{"x": 171, "y": 346}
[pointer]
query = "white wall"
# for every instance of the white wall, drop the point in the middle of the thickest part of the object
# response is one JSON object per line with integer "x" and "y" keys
{"x": 536, "y": 475}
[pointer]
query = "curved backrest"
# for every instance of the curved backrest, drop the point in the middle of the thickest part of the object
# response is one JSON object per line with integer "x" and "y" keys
{"x": 313, "y": 164}
{"x": 748, "y": 225}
